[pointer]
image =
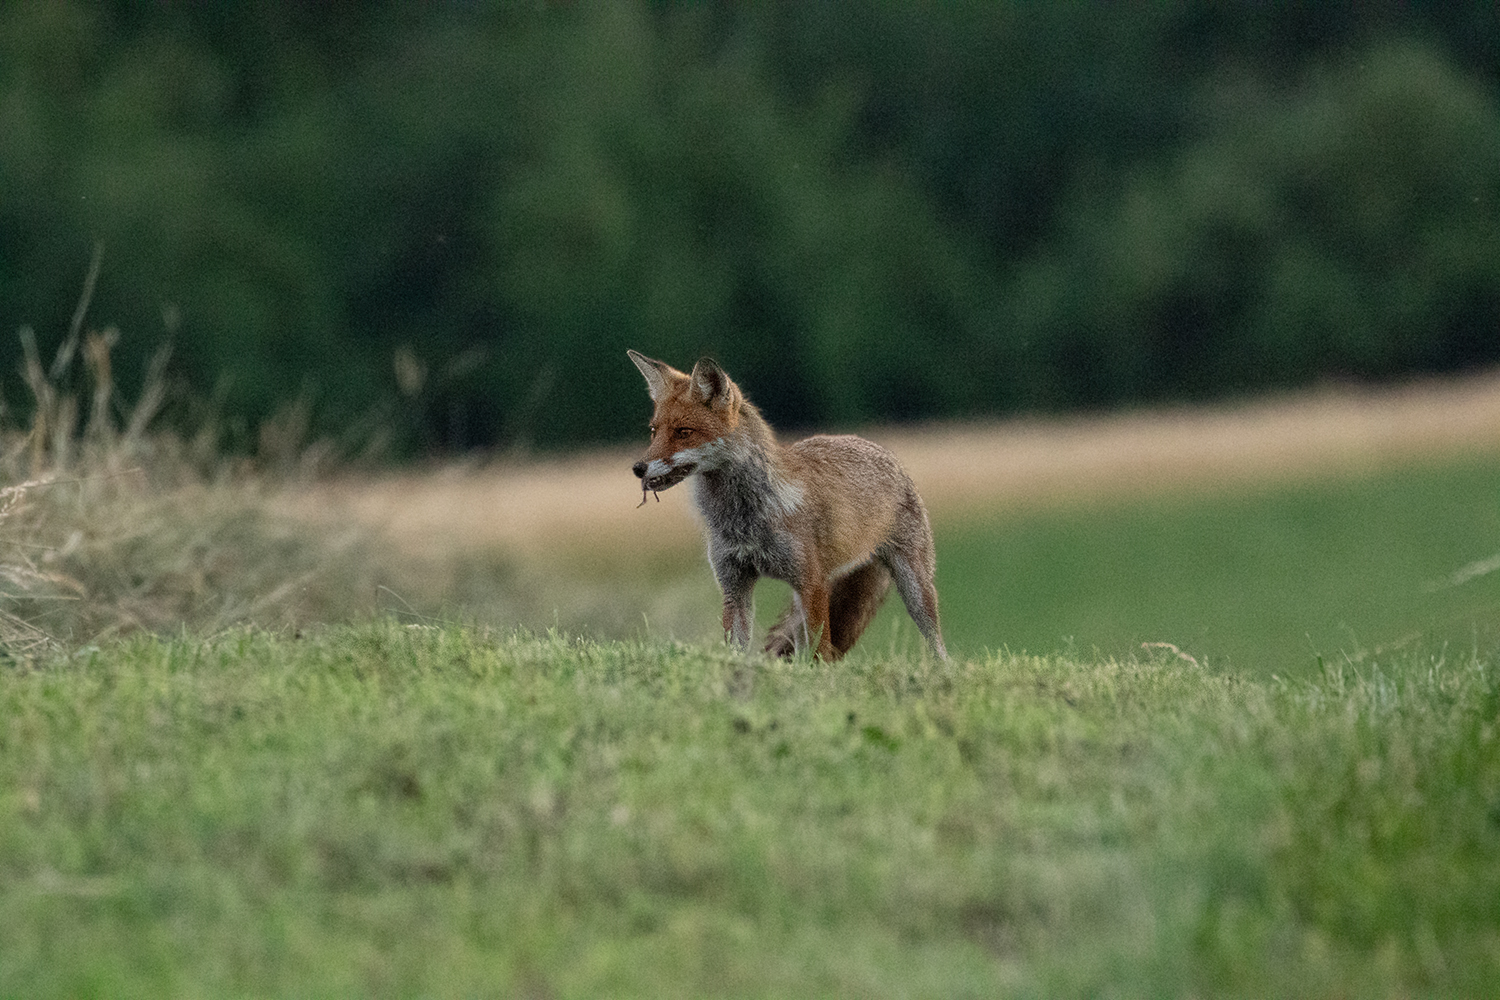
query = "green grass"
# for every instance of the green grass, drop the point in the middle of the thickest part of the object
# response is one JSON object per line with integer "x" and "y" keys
{"x": 1262, "y": 582}
{"x": 387, "y": 810}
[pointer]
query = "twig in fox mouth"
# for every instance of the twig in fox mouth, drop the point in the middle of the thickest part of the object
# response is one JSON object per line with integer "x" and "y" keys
{"x": 644, "y": 490}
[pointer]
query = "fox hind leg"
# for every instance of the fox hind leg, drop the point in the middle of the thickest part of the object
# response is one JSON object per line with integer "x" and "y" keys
{"x": 915, "y": 585}
{"x": 854, "y": 600}
{"x": 784, "y": 635}
{"x": 789, "y": 635}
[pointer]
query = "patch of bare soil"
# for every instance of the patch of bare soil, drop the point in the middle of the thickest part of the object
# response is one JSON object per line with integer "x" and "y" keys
{"x": 591, "y": 502}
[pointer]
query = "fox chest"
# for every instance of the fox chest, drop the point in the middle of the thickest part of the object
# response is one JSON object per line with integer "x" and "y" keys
{"x": 750, "y": 534}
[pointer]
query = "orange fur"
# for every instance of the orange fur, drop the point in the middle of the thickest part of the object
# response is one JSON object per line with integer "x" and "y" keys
{"x": 836, "y": 517}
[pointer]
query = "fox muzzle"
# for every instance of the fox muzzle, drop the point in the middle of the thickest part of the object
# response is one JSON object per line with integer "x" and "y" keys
{"x": 659, "y": 475}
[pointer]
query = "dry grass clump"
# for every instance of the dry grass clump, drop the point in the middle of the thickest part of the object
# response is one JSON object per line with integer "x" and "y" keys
{"x": 110, "y": 524}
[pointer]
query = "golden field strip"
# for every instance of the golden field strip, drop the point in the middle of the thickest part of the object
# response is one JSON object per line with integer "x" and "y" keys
{"x": 589, "y": 500}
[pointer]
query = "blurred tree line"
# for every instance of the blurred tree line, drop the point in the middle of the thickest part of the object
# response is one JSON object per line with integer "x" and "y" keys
{"x": 450, "y": 218}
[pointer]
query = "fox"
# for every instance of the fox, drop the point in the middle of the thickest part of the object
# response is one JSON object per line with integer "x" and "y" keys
{"x": 834, "y": 516}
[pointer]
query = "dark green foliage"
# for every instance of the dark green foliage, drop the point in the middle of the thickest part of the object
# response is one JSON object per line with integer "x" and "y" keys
{"x": 451, "y": 219}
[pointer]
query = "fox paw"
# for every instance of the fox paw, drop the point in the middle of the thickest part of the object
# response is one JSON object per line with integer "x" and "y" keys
{"x": 780, "y": 644}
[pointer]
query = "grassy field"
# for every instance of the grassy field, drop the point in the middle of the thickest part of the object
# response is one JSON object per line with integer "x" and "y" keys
{"x": 389, "y": 810}
{"x": 1260, "y": 581}
{"x": 325, "y": 786}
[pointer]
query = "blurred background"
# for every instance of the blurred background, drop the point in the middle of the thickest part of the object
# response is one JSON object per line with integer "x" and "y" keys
{"x": 431, "y": 229}
{"x": 451, "y": 218}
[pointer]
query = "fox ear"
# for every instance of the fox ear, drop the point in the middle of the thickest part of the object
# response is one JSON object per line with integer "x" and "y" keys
{"x": 658, "y": 374}
{"x": 711, "y": 386}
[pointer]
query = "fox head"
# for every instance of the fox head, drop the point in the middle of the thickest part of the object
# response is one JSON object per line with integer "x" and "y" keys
{"x": 695, "y": 415}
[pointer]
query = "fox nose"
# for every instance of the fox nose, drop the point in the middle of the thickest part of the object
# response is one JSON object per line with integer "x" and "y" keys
{"x": 639, "y": 469}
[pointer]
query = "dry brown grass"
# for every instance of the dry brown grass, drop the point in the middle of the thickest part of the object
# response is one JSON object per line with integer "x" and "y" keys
{"x": 109, "y": 524}
{"x": 89, "y": 550}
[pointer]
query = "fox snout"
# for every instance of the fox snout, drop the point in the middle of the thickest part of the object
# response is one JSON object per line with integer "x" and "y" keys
{"x": 660, "y": 475}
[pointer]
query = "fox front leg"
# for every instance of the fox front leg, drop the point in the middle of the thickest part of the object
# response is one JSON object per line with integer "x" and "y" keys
{"x": 738, "y": 584}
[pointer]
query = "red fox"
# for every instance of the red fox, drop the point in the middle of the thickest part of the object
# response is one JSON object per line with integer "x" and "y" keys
{"x": 835, "y": 516}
